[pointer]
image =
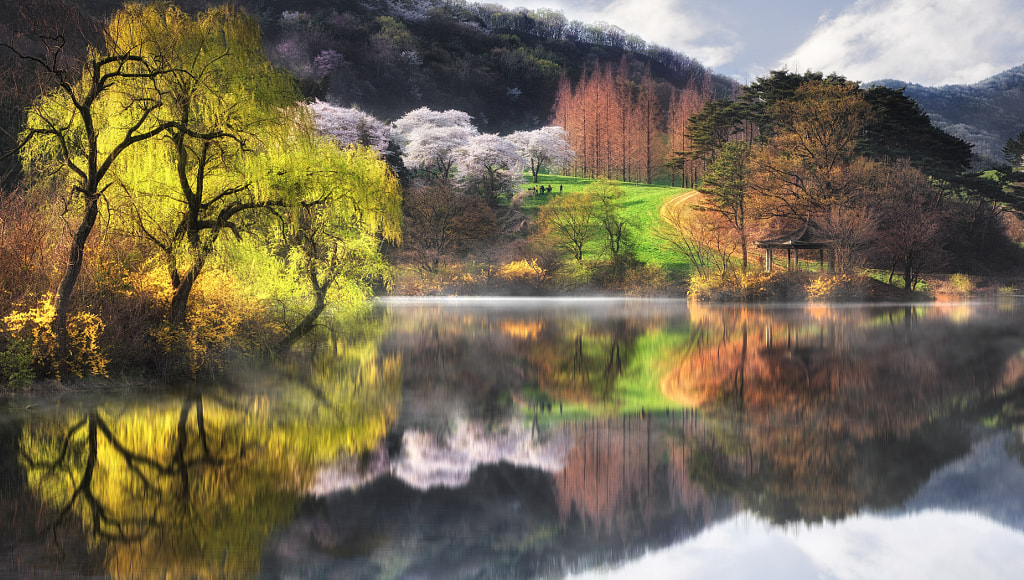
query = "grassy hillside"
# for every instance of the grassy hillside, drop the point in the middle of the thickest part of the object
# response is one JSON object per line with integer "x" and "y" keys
{"x": 641, "y": 205}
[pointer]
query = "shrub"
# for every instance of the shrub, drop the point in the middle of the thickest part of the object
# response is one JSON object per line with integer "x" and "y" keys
{"x": 16, "y": 364}
{"x": 223, "y": 321}
{"x": 749, "y": 287}
{"x": 34, "y": 327}
{"x": 522, "y": 271}
{"x": 837, "y": 288}
{"x": 573, "y": 274}
{"x": 522, "y": 275}
{"x": 961, "y": 284}
{"x": 644, "y": 280}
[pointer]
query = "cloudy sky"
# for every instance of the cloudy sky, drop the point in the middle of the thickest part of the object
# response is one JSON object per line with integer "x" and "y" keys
{"x": 931, "y": 42}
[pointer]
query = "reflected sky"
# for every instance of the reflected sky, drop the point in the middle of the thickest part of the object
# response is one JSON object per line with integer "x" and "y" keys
{"x": 930, "y": 544}
{"x": 965, "y": 522}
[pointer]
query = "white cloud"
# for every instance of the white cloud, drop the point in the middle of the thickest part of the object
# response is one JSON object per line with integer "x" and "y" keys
{"x": 930, "y": 42}
{"x": 678, "y": 24}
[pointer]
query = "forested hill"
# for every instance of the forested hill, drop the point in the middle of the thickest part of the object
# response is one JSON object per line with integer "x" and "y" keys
{"x": 502, "y": 66}
{"x": 388, "y": 57}
{"x": 984, "y": 114}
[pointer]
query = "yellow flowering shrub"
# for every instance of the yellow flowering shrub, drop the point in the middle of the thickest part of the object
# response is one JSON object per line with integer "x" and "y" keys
{"x": 842, "y": 287}
{"x": 961, "y": 284}
{"x": 34, "y": 326}
{"x": 523, "y": 271}
{"x": 222, "y": 318}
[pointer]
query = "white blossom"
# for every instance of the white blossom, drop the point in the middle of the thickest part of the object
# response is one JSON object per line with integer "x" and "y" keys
{"x": 350, "y": 126}
{"x": 429, "y": 461}
{"x": 546, "y": 147}
{"x": 491, "y": 161}
{"x": 430, "y": 138}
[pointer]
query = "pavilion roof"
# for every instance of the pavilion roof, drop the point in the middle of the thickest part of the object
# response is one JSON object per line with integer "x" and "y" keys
{"x": 808, "y": 236}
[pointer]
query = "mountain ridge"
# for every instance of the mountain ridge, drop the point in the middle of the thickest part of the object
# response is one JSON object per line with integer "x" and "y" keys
{"x": 985, "y": 113}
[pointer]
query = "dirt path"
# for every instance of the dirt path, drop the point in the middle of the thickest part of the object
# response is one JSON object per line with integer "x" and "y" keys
{"x": 678, "y": 202}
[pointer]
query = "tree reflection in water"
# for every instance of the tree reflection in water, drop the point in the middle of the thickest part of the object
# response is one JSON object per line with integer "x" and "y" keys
{"x": 191, "y": 487}
{"x": 797, "y": 414}
{"x": 820, "y": 413}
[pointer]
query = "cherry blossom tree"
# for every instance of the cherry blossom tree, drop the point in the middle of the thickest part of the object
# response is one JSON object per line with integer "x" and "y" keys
{"x": 546, "y": 147}
{"x": 429, "y": 140}
{"x": 351, "y": 126}
{"x": 490, "y": 164}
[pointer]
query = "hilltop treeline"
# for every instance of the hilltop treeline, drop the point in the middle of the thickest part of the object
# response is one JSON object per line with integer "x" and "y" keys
{"x": 985, "y": 114}
{"x": 387, "y": 57}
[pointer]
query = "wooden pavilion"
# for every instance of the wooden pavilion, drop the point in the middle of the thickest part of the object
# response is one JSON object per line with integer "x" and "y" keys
{"x": 808, "y": 238}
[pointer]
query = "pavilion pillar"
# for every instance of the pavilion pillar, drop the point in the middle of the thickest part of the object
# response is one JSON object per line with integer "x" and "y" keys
{"x": 789, "y": 260}
{"x": 796, "y": 256}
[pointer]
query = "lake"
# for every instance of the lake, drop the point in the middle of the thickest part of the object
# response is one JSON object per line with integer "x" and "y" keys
{"x": 549, "y": 438}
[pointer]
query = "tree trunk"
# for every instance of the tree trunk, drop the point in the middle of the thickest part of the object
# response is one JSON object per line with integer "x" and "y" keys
{"x": 743, "y": 241}
{"x": 305, "y": 326}
{"x": 907, "y": 270}
{"x": 67, "y": 284}
{"x": 178, "y": 313}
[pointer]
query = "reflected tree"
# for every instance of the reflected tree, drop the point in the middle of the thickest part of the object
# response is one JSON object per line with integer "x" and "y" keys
{"x": 191, "y": 487}
{"x": 816, "y": 413}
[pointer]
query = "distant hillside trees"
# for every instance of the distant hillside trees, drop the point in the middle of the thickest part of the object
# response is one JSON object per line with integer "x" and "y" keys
{"x": 621, "y": 123}
{"x": 500, "y": 65}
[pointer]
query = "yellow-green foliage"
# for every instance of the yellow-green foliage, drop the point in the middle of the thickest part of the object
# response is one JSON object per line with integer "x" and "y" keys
{"x": 522, "y": 271}
{"x": 841, "y": 287}
{"x": 224, "y": 319}
{"x": 335, "y": 207}
{"x": 961, "y": 284}
{"x": 34, "y": 326}
{"x": 190, "y": 487}
{"x": 16, "y": 364}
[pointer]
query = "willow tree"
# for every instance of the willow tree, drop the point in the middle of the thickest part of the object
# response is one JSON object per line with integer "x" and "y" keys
{"x": 76, "y": 132}
{"x": 219, "y": 100}
{"x": 334, "y": 206}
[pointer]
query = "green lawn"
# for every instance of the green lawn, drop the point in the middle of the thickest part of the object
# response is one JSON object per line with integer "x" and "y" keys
{"x": 640, "y": 204}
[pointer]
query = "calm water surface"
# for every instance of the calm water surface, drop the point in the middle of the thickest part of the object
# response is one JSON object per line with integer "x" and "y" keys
{"x": 550, "y": 438}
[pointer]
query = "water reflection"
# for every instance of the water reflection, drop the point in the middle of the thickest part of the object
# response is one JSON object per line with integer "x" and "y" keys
{"x": 506, "y": 439}
{"x": 191, "y": 485}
